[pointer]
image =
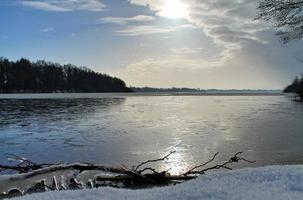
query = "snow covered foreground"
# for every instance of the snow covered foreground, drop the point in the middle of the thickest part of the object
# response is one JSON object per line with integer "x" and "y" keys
{"x": 270, "y": 183}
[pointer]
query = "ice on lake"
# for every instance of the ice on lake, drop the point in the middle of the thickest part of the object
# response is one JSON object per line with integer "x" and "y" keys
{"x": 126, "y": 129}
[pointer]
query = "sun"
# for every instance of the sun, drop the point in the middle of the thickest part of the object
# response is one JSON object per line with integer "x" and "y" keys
{"x": 174, "y": 9}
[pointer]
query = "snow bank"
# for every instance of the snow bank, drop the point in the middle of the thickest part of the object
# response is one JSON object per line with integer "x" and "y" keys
{"x": 273, "y": 182}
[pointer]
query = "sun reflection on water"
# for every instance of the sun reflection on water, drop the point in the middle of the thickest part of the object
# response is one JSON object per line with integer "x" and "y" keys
{"x": 177, "y": 162}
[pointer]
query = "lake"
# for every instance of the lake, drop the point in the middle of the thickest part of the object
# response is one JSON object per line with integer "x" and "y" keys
{"x": 126, "y": 129}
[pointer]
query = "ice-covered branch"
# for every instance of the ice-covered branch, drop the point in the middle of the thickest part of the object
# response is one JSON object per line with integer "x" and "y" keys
{"x": 34, "y": 177}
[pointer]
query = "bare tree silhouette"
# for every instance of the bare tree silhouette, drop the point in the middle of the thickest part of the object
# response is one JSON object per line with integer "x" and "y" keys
{"x": 287, "y": 16}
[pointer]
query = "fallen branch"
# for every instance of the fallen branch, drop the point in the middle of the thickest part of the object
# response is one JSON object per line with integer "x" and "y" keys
{"x": 199, "y": 166}
{"x": 136, "y": 177}
{"x": 24, "y": 166}
{"x": 74, "y": 166}
{"x": 224, "y": 165}
{"x": 152, "y": 161}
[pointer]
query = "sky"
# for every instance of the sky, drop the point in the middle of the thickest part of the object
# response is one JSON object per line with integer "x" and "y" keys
{"x": 157, "y": 43}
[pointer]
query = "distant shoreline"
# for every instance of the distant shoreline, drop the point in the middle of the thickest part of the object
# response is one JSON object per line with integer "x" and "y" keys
{"x": 198, "y": 90}
{"x": 179, "y": 91}
{"x": 123, "y": 95}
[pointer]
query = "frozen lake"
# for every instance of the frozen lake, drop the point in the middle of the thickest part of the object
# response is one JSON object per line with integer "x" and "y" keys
{"x": 127, "y": 128}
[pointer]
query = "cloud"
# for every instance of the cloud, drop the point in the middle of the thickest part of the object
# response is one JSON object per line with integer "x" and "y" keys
{"x": 64, "y": 5}
{"x": 229, "y": 23}
{"x": 150, "y": 29}
{"x": 187, "y": 50}
{"x": 152, "y": 4}
{"x": 247, "y": 50}
{"x": 159, "y": 72}
{"x": 126, "y": 20}
{"x": 44, "y": 6}
{"x": 47, "y": 30}
{"x": 195, "y": 73}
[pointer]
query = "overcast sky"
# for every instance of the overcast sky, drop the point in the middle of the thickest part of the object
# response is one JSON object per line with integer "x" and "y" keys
{"x": 157, "y": 43}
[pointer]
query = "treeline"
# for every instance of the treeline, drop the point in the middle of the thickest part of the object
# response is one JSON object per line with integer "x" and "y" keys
{"x": 296, "y": 87}
{"x": 198, "y": 90}
{"x": 149, "y": 89}
{"x": 45, "y": 77}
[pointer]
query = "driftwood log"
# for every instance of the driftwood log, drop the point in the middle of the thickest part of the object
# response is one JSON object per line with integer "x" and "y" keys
{"x": 139, "y": 176}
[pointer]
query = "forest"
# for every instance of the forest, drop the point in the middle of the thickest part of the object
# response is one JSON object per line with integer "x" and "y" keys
{"x": 24, "y": 76}
{"x": 296, "y": 87}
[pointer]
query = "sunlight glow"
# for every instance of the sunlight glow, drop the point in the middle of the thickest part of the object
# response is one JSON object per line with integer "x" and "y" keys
{"x": 174, "y": 9}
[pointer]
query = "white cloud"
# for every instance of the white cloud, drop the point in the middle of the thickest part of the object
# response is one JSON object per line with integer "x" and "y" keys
{"x": 126, "y": 20}
{"x": 152, "y": 4}
{"x": 46, "y": 30}
{"x": 65, "y": 5}
{"x": 187, "y": 50}
{"x": 150, "y": 29}
{"x": 229, "y": 23}
{"x": 246, "y": 50}
{"x": 44, "y": 6}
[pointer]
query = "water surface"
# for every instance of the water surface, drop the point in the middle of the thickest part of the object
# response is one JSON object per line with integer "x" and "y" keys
{"x": 126, "y": 129}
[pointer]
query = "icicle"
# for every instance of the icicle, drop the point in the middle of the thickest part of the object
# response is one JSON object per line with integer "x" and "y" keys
{"x": 55, "y": 184}
{"x": 63, "y": 183}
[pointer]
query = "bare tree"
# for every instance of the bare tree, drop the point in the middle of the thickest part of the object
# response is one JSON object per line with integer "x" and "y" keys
{"x": 287, "y": 16}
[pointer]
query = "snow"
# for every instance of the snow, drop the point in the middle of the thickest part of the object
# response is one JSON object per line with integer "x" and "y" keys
{"x": 272, "y": 182}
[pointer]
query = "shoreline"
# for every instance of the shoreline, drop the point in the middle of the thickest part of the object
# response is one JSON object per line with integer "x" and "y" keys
{"x": 270, "y": 182}
{"x": 131, "y": 94}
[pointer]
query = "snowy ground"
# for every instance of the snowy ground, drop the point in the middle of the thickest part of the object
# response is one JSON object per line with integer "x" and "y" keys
{"x": 270, "y": 183}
